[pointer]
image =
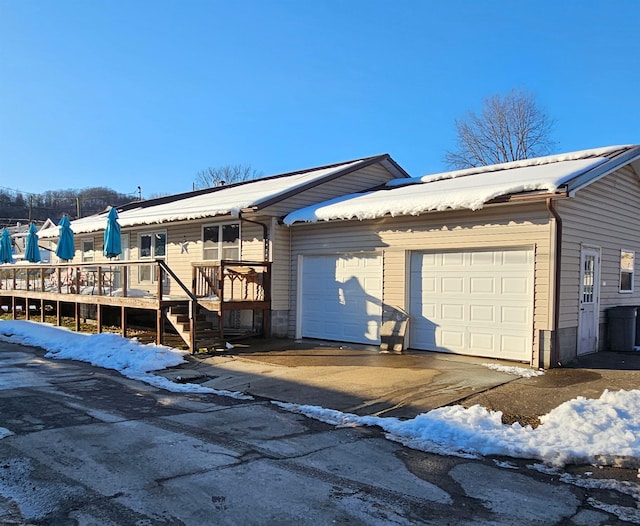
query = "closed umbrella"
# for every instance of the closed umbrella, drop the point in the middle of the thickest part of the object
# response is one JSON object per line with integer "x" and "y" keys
{"x": 5, "y": 247}
{"x": 112, "y": 246}
{"x": 65, "y": 249}
{"x": 32, "y": 252}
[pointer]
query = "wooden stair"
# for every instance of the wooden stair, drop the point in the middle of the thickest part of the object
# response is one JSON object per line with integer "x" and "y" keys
{"x": 206, "y": 334}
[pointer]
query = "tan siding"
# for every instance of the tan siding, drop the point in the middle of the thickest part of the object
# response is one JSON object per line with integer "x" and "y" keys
{"x": 604, "y": 215}
{"x": 357, "y": 181}
{"x": 252, "y": 242}
{"x": 281, "y": 268}
{"x": 526, "y": 225}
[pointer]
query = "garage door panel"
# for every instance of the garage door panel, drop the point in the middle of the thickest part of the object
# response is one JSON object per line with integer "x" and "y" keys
{"x": 482, "y": 313}
{"x": 482, "y": 285}
{"x": 482, "y": 341}
{"x": 515, "y": 315}
{"x": 341, "y": 297}
{"x": 451, "y": 312}
{"x": 452, "y": 285}
{"x": 473, "y": 302}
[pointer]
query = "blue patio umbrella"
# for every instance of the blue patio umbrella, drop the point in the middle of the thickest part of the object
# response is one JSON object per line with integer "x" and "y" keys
{"x": 65, "y": 249}
{"x": 5, "y": 247}
{"x": 32, "y": 252}
{"x": 112, "y": 246}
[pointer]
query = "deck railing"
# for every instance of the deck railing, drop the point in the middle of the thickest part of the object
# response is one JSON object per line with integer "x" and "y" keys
{"x": 245, "y": 281}
{"x": 231, "y": 280}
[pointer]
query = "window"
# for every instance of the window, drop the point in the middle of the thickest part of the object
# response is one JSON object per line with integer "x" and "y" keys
{"x": 153, "y": 245}
{"x": 87, "y": 251}
{"x": 221, "y": 241}
{"x": 627, "y": 264}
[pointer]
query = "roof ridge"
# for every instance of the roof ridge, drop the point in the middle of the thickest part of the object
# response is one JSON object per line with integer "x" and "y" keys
{"x": 193, "y": 193}
{"x": 608, "y": 152}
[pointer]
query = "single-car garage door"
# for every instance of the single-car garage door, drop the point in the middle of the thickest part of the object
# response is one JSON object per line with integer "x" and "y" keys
{"x": 340, "y": 297}
{"x": 473, "y": 302}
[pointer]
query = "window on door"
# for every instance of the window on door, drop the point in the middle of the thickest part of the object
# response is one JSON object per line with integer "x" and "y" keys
{"x": 627, "y": 267}
{"x": 152, "y": 245}
{"x": 221, "y": 241}
{"x": 88, "y": 254}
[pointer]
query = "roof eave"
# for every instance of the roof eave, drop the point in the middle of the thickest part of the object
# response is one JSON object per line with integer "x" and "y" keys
{"x": 602, "y": 170}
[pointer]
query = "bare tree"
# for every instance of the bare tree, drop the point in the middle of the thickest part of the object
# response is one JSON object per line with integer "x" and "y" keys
{"x": 227, "y": 174}
{"x": 509, "y": 128}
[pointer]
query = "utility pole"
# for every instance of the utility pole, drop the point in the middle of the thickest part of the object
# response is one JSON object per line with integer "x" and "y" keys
{"x": 30, "y": 208}
{"x": 139, "y": 193}
{"x": 78, "y": 207}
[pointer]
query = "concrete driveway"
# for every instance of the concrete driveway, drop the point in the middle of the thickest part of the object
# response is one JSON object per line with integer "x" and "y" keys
{"x": 354, "y": 379}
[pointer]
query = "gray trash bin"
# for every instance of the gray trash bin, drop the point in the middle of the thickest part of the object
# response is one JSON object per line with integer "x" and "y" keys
{"x": 622, "y": 328}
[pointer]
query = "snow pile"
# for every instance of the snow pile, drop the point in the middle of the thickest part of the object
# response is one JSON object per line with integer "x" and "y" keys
{"x": 128, "y": 356}
{"x": 220, "y": 201}
{"x": 605, "y": 431}
{"x": 415, "y": 196}
{"x": 510, "y": 369}
{"x": 602, "y": 432}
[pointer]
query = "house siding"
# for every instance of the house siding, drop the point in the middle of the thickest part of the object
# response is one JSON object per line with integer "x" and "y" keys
{"x": 524, "y": 225}
{"x": 602, "y": 215}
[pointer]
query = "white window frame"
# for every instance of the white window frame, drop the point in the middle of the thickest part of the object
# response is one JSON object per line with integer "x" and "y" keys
{"x": 84, "y": 252}
{"x": 142, "y": 269}
{"x": 220, "y": 247}
{"x": 625, "y": 271}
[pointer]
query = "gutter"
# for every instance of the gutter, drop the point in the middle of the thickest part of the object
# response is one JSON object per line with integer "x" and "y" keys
{"x": 555, "y": 320}
{"x": 265, "y": 233}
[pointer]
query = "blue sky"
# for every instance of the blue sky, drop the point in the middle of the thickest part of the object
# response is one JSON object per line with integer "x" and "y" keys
{"x": 147, "y": 93}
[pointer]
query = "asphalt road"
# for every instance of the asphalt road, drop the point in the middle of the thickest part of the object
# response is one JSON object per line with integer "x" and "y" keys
{"x": 89, "y": 447}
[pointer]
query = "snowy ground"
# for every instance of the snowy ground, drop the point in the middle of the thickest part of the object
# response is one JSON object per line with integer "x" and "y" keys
{"x": 601, "y": 432}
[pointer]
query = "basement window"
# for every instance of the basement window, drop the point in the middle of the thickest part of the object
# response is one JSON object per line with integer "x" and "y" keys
{"x": 627, "y": 266}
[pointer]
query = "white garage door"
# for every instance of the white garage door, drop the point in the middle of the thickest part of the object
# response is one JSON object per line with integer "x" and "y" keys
{"x": 340, "y": 298}
{"x": 473, "y": 302}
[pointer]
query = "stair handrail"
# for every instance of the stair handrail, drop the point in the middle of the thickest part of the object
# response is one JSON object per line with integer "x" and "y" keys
{"x": 192, "y": 304}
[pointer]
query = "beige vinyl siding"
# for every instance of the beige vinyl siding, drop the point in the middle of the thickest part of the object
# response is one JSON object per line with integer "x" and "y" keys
{"x": 281, "y": 268}
{"x": 604, "y": 215}
{"x": 522, "y": 225}
{"x": 357, "y": 181}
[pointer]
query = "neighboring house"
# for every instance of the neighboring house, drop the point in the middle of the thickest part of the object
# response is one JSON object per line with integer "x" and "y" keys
{"x": 19, "y": 235}
{"x": 238, "y": 222}
{"x": 518, "y": 261}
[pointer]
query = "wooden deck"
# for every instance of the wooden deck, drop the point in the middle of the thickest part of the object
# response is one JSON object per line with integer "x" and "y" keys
{"x": 196, "y": 312}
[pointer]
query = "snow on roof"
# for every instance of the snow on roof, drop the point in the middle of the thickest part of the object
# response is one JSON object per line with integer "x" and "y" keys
{"x": 464, "y": 189}
{"x": 220, "y": 201}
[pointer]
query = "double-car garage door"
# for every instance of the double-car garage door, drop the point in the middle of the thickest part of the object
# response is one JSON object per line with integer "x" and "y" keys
{"x": 477, "y": 302}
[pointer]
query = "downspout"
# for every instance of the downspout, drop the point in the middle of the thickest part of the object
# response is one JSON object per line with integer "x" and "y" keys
{"x": 265, "y": 234}
{"x": 555, "y": 320}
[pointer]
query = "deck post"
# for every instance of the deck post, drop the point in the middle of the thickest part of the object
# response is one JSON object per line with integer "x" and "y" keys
{"x": 99, "y": 317}
{"x": 193, "y": 309}
{"x": 123, "y": 321}
{"x": 159, "y": 326}
{"x": 77, "y": 315}
{"x": 13, "y": 307}
{"x": 58, "y": 313}
{"x": 58, "y": 282}
{"x": 43, "y": 318}
{"x": 26, "y": 309}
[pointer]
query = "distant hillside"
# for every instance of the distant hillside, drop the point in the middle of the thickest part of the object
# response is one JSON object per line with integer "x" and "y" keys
{"x": 16, "y": 207}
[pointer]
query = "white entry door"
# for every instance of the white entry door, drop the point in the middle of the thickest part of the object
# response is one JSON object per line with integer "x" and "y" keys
{"x": 476, "y": 302}
{"x": 589, "y": 317}
{"x": 340, "y": 297}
